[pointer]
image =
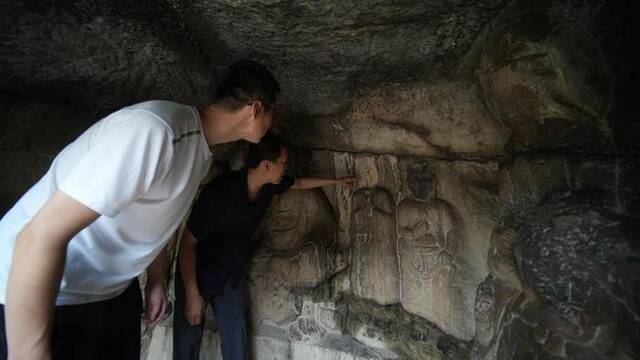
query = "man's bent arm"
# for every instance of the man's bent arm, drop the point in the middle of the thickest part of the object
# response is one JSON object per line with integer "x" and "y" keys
{"x": 316, "y": 182}
{"x": 194, "y": 304}
{"x": 187, "y": 262}
{"x": 155, "y": 295}
{"x": 156, "y": 271}
{"x": 34, "y": 280}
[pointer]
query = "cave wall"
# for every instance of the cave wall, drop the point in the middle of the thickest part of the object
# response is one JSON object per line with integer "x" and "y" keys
{"x": 30, "y": 138}
{"x": 494, "y": 143}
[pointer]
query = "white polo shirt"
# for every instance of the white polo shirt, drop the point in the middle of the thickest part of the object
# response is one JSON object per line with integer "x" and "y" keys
{"x": 140, "y": 168}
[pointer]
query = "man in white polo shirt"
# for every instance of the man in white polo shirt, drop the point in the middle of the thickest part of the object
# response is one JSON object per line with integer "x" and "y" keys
{"x": 104, "y": 211}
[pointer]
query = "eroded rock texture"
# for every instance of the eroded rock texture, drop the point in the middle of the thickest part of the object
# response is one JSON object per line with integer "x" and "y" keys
{"x": 494, "y": 142}
{"x": 430, "y": 271}
{"x": 556, "y": 264}
{"x": 299, "y": 252}
{"x": 374, "y": 261}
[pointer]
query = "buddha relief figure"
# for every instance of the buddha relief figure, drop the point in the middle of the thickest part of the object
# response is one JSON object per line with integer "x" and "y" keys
{"x": 495, "y": 305}
{"x": 502, "y": 258}
{"x": 497, "y": 293}
{"x": 298, "y": 250}
{"x": 374, "y": 262}
{"x": 299, "y": 231}
{"x": 432, "y": 276}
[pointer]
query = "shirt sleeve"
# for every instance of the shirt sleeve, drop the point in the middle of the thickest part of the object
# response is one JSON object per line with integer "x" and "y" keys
{"x": 121, "y": 164}
{"x": 285, "y": 184}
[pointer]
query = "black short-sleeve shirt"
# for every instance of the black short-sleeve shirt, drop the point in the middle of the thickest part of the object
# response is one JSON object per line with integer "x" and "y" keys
{"x": 222, "y": 221}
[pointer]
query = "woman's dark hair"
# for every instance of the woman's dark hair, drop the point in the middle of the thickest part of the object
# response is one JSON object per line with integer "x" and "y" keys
{"x": 269, "y": 148}
{"x": 243, "y": 82}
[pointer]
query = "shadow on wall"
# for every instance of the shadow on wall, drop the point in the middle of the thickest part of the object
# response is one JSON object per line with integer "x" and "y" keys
{"x": 31, "y": 135}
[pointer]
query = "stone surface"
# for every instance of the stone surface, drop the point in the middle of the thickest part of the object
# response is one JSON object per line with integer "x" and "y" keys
{"x": 374, "y": 261}
{"x": 298, "y": 251}
{"x": 563, "y": 275}
{"x": 441, "y": 248}
{"x": 425, "y": 119}
{"x": 80, "y": 52}
{"x": 443, "y": 78}
{"x": 30, "y": 138}
{"x": 354, "y": 43}
{"x": 545, "y": 83}
{"x": 391, "y": 328}
{"x": 582, "y": 260}
{"x": 432, "y": 282}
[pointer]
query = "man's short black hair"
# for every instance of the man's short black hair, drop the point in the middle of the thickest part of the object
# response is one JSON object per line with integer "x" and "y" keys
{"x": 269, "y": 148}
{"x": 243, "y": 82}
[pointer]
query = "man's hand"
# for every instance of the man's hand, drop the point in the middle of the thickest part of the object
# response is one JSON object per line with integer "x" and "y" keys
{"x": 156, "y": 304}
{"x": 194, "y": 309}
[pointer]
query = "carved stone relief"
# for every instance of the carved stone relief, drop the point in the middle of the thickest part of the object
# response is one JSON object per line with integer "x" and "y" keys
{"x": 545, "y": 81}
{"x": 374, "y": 261}
{"x": 432, "y": 276}
{"x": 298, "y": 251}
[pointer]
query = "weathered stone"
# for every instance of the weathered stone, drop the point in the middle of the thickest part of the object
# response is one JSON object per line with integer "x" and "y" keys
{"x": 545, "y": 81}
{"x": 30, "y": 138}
{"x": 318, "y": 318}
{"x": 502, "y": 259}
{"x": 580, "y": 258}
{"x": 576, "y": 260}
{"x": 432, "y": 282}
{"x": 374, "y": 260}
{"x": 441, "y": 120}
{"x": 494, "y": 307}
{"x": 260, "y": 347}
{"x": 100, "y": 54}
{"x": 298, "y": 251}
{"x": 472, "y": 187}
{"x": 160, "y": 346}
{"x": 354, "y": 43}
{"x": 341, "y": 348}
{"x": 392, "y": 329}
{"x": 524, "y": 183}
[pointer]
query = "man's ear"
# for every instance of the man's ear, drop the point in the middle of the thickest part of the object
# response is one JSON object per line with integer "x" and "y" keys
{"x": 256, "y": 108}
{"x": 252, "y": 110}
{"x": 266, "y": 164}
